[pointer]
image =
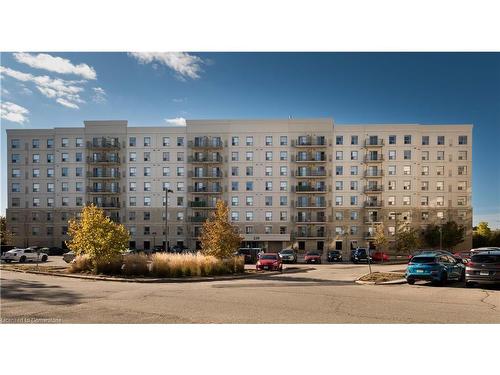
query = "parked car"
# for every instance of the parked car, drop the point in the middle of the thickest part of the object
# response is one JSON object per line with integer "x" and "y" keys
{"x": 436, "y": 267}
{"x": 54, "y": 250}
{"x": 483, "y": 268}
{"x": 288, "y": 256}
{"x": 334, "y": 256}
{"x": 360, "y": 255}
{"x": 250, "y": 254}
{"x": 379, "y": 256}
{"x": 176, "y": 249}
{"x": 313, "y": 257}
{"x": 24, "y": 255}
{"x": 269, "y": 261}
{"x": 69, "y": 256}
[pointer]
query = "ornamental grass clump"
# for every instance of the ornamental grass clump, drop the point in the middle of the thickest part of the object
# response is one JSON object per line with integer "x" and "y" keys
{"x": 82, "y": 263}
{"x": 135, "y": 265}
{"x": 182, "y": 265}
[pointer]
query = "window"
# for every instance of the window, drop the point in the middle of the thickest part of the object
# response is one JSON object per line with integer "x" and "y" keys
{"x": 269, "y": 140}
{"x": 234, "y": 171}
{"x": 249, "y": 186}
{"x": 440, "y": 170}
{"x": 354, "y": 200}
{"x": 283, "y": 140}
{"x": 249, "y": 155}
{"x": 406, "y": 200}
{"x": 462, "y": 170}
{"x": 283, "y": 155}
{"x": 79, "y": 201}
{"x": 166, "y": 141}
{"x": 165, "y": 186}
{"x": 268, "y": 229}
{"x": 439, "y": 201}
{"x": 462, "y": 155}
{"x": 354, "y": 215}
{"x": 269, "y": 155}
{"x": 235, "y": 141}
{"x": 462, "y": 185}
{"x": 147, "y": 156}
{"x": 339, "y": 185}
{"x": 392, "y": 139}
{"x": 166, "y": 171}
{"x": 338, "y": 201}
{"x": 283, "y": 171}
{"x": 425, "y": 155}
{"x": 35, "y": 143}
{"x": 64, "y": 157}
{"x": 234, "y": 185}
{"x": 339, "y": 140}
{"x": 79, "y": 142}
{"x": 235, "y": 216}
{"x": 269, "y": 216}
{"x": 407, "y": 139}
{"x": 425, "y": 185}
{"x": 283, "y": 200}
{"x": 78, "y": 157}
{"x": 440, "y": 155}
{"x": 249, "y": 141}
{"x": 147, "y": 141}
{"x": 268, "y": 185}
{"x": 65, "y": 201}
{"x": 406, "y": 185}
{"x": 16, "y": 158}
{"x": 354, "y": 155}
{"x": 339, "y": 170}
{"x": 440, "y": 140}
{"x": 147, "y": 171}
{"x": 354, "y": 170}
{"x": 64, "y": 142}
{"x": 339, "y": 155}
{"x": 392, "y": 154}
{"x": 132, "y": 171}
{"x": 462, "y": 201}
{"x": 180, "y": 171}
{"x": 425, "y": 140}
{"x": 462, "y": 139}
{"x": 50, "y": 172}
{"x": 440, "y": 214}
{"x": 439, "y": 185}
{"x": 234, "y": 156}
{"x": 391, "y": 169}
{"x": 132, "y": 186}
{"x": 64, "y": 172}
{"x": 166, "y": 156}
{"x": 147, "y": 201}
{"x": 391, "y": 201}
{"x": 354, "y": 139}
{"x": 249, "y": 216}
{"x": 249, "y": 171}
{"x": 269, "y": 171}
{"x": 50, "y": 143}
{"x": 147, "y": 186}
{"x": 16, "y": 202}
{"x": 132, "y": 142}
{"x": 425, "y": 170}
{"x": 391, "y": 185}
{"x": 283, "y": 216}
{"x": 235, "y": 201}
{"x": 16, "y": 187}
{"x": 50, "y": 187}
{"x": 407, "y": 170}
{"x": 132, "y": 201}
{"x": 407, "y": 154}
{"x": 283, "y": 186}
{"x": 16, "y": 173}
{"x": 132, "y": 156}
{"x": 15, "y": 143}
{"x": 354, "y": 185}
{"x": 64, "y": 186}
{"x": 268, "y": 201}
{"x": 36, "y": 158}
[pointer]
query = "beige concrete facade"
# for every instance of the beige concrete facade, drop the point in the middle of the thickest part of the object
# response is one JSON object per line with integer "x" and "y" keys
{"x": 305, "y": 183}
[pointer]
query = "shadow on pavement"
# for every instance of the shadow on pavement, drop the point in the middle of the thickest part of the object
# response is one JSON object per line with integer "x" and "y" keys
{"x": 458, "y": 285}
{"x": 22, "y": 290}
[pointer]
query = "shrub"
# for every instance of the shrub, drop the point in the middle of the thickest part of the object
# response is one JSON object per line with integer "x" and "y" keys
{"x": 135, "y": 264}
{"x": 108, "y": 267}
{"x": 179, "y": 265}
{"x": 82, "y": 263}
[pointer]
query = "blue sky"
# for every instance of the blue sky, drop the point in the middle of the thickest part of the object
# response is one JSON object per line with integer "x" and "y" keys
{"x": 47, "y": 89}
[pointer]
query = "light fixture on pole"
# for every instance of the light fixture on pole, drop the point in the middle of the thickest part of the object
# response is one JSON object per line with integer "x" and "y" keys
{"x": 167, "y": 190}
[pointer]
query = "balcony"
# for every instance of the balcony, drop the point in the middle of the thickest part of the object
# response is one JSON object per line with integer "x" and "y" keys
{"x": 103, "y": 160}
{"x": 205, "y": 190}
{"x": 105, "y": 190}
{"x": 310, "y": 204}
{"x": 373, "y": 220}
{"x": 197, "y": 219}
{"x": 311, "y": 234}
{"x": 373, "y": 204}
{"x": 374, "y": 159}
{"x": 206, "y": 143}
{"x": 201, "y": 204}
{"x": 310, "y": 158}
{"x": 103, "y": 175}
{"x": 310, "y": 220}
{"x": 309, "y": 142}
{"x": 377, "y": 173}
{"x": 310, "y": 189}
{"x": 314, "y": 173}
{"x": 106, "y": 205}
{"x": 206, "y": 158}
{"x": 104, "y": 143}
{"x": 373, "y": 189}
{"x": 374, "y": 143}
{"x": 205, "y": 174}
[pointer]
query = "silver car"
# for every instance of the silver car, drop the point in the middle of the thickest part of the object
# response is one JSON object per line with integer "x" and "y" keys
{"x": 69, "y": 256}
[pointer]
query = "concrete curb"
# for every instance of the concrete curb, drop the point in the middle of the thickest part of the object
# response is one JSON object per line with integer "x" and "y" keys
{"x": 147, "y": 280}
{"x": 392, "y": 282}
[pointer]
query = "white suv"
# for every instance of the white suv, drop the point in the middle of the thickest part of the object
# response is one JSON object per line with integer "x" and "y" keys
{"x": 23, "y": 255}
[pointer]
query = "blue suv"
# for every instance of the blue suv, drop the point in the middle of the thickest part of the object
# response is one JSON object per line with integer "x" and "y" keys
{"x": 435, "y": 267}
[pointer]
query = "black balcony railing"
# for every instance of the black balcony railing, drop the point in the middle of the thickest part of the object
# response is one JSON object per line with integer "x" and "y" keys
{"x": 306, "y": 220}
{"x": 104, "y": 143}
{"x": 318, "y": 234}
{"x": 197, "y": 219}
{"x": 103, "y": 160}
{"x": 206, "y": 174}
{"x": 377, "y": 173}
{"x": 206, "y": 158}
{"x": 373, "y": 158}
{"x": 373, "y": 204}
{"x": 373, "y": 189}
{"x": 309, "y": 141}
{"x": 313, "y": 204}
{"x": 205, "y": 189}
{"x": 310, "y": 189}
{"x": 310, "y": 158}
{"x": 103, "y": 175}
{"x": 310, "y": 173}
{"x": 104, "y": 190}
{"x": 105, "y": 204}
{"x": 374, "y": 143}
{"x": 206, "y": 142}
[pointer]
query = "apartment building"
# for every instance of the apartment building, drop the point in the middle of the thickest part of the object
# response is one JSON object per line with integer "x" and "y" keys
{"x": 307, "y": 184}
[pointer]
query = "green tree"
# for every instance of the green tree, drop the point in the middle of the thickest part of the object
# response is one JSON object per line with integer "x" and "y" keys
{"x": 407, "y": 239}
{"x": 218, "y": 237}
{"x": 6, "y": 237}
{"x": 452, "y": 234}
{"x": 483, "y": 229}
{"x": 431, "y": 236}
{"x": 482, "y": 235}
{"x": 97, "y": 236}
{"x": 494, "y": 238}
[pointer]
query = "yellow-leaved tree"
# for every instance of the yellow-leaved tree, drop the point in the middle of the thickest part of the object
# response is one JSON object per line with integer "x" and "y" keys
{"x": 218, "y": 237}
{"x": 97, "y": 236}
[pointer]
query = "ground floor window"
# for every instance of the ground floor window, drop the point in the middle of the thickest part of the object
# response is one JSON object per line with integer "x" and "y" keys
{"x": 320, "y": 245}
{"x": 302, "y": 245}
{"x": 147, "y": 245}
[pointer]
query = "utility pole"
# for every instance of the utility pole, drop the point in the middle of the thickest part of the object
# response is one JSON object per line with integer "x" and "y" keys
{"x": 167, "y": 190}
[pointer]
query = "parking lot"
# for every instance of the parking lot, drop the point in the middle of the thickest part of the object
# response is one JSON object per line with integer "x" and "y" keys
{"x": 323, "y": 293}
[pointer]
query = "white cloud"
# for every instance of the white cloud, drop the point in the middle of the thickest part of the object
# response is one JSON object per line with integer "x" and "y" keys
{"x": 55, "y": 64}
{"x": 13, "y": 112}
{"x": 184, "y": 64}
{"x": 179, "y": 100}
{"x": 99, "y": 95}
{"x": 54, "y": 88}
{"x": 178, "y": 121}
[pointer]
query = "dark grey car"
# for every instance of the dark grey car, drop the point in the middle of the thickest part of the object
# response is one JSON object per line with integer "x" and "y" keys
{"x": 483, "y": 268}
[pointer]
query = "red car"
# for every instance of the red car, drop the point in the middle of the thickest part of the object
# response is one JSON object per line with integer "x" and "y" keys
{"x": 379, "y": 256}
{"x": 269, "y": 261}
{"x": 312, "y": 257}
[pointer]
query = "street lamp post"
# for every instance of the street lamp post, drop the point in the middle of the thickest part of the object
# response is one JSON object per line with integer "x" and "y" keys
{"x": 166, "y": 217}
